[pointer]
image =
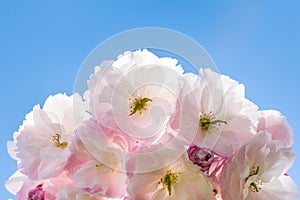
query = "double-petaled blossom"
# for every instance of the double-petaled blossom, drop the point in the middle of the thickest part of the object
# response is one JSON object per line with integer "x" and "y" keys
{"x": 214, "y": 113}
{"x": 180, "y": 180}
{"x": 136, "y": 94}
{"x": 149, "y": 132}
{"x": 258, "y": 171}
{"x": 96, "y": 162}
{"x": 41, "y": 145}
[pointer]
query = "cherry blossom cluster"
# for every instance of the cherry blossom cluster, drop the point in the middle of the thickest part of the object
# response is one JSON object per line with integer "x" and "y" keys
{"x": 145, "y": 130}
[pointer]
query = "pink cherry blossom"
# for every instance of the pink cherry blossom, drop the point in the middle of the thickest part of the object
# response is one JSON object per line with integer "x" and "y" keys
{"x": 180, "y": 180}
{"x": 96, "y": 178}
{"x": 136, "y": 93}
{"x": 98, "y": 171}
{"x": 105, "y": 77}
{"x": 41, "y": 144}
{"x": 257, "y": 171}
{"x": 147, "y": 131}
{"x": 214, "y": 113}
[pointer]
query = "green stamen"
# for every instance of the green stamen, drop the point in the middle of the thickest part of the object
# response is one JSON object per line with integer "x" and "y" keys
{"x": 169, "y": 179}
{"x": 253, "y": 172}
{"x": 139, "y": 105}
{"x": 206, "y": 120}
{"x": 254, "y": 186}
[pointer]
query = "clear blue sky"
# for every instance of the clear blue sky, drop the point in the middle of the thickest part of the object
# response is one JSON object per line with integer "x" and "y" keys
{"x": 42, "y": 45}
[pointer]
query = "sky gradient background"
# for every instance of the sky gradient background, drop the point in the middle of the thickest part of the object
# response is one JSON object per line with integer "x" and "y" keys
{"x": 42, "y": 45}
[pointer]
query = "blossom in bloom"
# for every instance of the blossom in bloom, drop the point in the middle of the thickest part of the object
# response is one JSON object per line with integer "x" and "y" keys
{"x": 110, "y": 72}
{"x": 98, "y": 162}
{"x": 149, "y": 132}
{"x": 43, "y": 189}
{"x": 273, "y": 122}
{"x": 258, "y": 171}
{"x": 41, "y": 144}
{"x": 180, "y": 180}
{"x": 214, "y": 113}
{"x": 136, "y": 93}
{"x": 96, "y": 178}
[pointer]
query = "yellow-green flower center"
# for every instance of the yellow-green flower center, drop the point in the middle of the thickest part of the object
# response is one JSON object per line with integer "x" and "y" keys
{"x": 56, "y": 139}
{"x": 169, "y": 179}
{"x": 139, "y": 105}
{"x": 255, "y": 186}
{"x": 208, "y": 120}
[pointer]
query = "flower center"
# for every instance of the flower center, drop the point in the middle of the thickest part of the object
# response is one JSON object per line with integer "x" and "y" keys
{"x": 138, "y": 105}
{"x": 169, "y": 179}
{"x": 254, "y": 186}
{"x": 56, "y": 139}
{"x": 207, "y": 120}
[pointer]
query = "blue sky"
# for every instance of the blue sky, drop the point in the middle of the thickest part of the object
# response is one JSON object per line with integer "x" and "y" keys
{"x": 42, "y": 45}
